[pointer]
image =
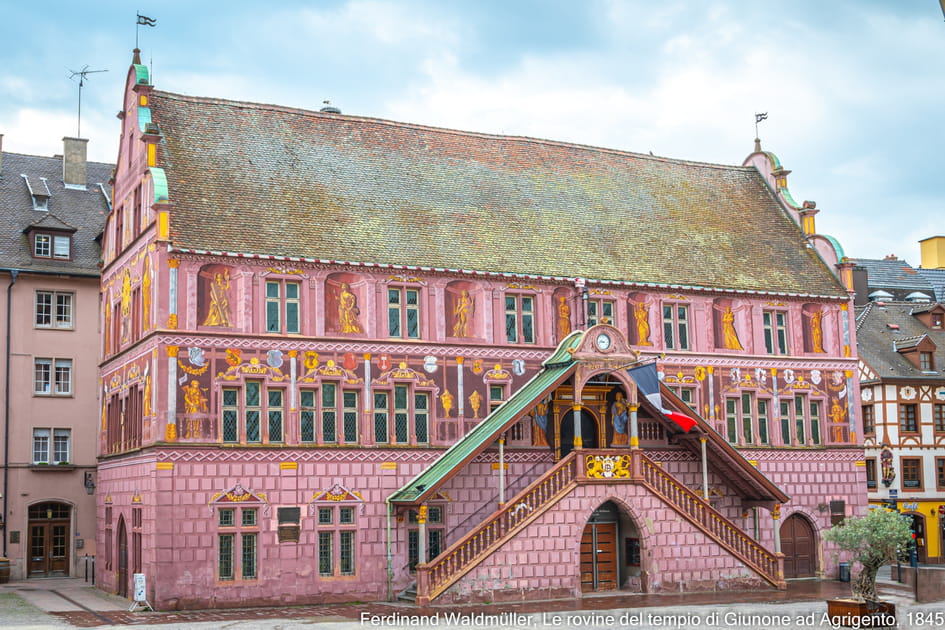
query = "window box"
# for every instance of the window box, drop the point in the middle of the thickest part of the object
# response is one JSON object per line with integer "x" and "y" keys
{"x": 44, "y": 467}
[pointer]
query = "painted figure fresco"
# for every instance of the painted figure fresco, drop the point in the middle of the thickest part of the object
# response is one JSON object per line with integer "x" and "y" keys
{"x": 620, "y": 414}
{"x": 194, "y": 400}
{"x": 541, "y": 424}
{"x": 348, "y": 310}
{"x": 816, "y": 331}
{"x": 729, "y": 334}
{"x": 564, "y": 317}
{"x": 641, "y": 315}
{"x": 462, "y": 311}
{"x": 219, "y": 312}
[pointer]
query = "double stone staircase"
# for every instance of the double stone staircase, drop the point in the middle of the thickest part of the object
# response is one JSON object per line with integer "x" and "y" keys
{"x": 582, "y": 467}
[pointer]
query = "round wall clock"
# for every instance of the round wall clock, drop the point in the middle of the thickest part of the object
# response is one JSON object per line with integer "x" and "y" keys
{"x": 603, "y": 341}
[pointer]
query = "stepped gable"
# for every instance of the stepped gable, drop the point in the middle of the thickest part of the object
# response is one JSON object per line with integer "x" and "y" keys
{"x": 251, "y": 178}
{"x": 883, "y": 328}
{"x": 80, "y": 212}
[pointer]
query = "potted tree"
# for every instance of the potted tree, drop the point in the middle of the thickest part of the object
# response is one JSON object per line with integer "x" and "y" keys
{"x": 872, "y": 540}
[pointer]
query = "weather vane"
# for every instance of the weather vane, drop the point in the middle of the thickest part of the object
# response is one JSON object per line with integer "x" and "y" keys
{"x": 758, "y": 119}
{"x": 143, "y": 20}
{"x": 82, "y": 74}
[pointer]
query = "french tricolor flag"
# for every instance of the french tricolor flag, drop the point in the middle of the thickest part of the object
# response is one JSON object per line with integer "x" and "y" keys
{"x": 649, "y": 385}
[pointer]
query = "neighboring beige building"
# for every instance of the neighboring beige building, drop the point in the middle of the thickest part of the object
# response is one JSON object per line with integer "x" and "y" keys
{"x": 51, "y": 215}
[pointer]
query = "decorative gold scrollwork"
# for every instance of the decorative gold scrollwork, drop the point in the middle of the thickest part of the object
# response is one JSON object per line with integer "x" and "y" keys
{"x": 607, "y": 466}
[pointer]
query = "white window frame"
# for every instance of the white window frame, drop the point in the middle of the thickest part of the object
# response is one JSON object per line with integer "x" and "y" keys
{"x": 401, "y": 310}
{"x": 596, "y": 314}
{"x": 58, "y": 313}
{"x": 283, "y": 304}
{"x": 673, "y": 323}
{"x": 53, "y": 446}
{"x": 42, "y": 246}
{"x": 519, "y": 315}
{"x": 49, "y": 382}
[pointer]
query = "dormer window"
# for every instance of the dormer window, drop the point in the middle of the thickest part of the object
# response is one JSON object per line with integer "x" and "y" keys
{"x": 931, "y": 315}
{"x": 52, "y": 246}
{"x": 39, "y": 192}
{"x": 926, "y": 362}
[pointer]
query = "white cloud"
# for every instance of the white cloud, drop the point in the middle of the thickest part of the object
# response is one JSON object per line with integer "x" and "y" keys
{"x": 40, "y": 132}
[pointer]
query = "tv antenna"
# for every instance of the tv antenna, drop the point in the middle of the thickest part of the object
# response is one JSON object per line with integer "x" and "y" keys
{"x": 83, "y": 75}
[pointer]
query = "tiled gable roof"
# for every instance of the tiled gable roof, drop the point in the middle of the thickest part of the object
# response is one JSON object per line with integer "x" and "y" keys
{"x": 883, "y": 329}
{"x": 51, "y": 222}
{"x": 69, "y": 209}
{"x": 895, "y": 276}
{"x": 254, "y": 178}
{"x": 936, "y": 278}
{"x": 907, "y": 342}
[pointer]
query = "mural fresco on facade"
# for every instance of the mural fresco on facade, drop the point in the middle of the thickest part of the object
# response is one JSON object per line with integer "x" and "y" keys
{"x": 280, "y": 404}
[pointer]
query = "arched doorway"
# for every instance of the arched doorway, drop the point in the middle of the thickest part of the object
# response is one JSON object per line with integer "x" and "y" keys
{"x": 588, "y": 431}
{"x": 49, "y": 525}
{"x": 797, "y": 544}
{"x": 122, "y": 558}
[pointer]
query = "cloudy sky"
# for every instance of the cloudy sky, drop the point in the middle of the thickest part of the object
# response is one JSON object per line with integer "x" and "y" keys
{"x": 854, "y": 89}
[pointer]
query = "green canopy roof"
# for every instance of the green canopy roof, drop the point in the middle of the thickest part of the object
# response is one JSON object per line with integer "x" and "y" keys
{"x": 554, "y": 371}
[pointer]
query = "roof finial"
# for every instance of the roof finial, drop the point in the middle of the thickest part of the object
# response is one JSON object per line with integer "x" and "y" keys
{"x": 136, "y": 58}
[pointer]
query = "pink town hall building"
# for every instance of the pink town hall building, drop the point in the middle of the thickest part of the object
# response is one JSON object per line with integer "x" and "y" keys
{"x": 355, "y": 359}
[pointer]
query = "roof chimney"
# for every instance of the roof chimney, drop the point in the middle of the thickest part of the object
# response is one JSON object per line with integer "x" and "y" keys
{"x": 74, "y": 162}
{"x": 933, "y": 250}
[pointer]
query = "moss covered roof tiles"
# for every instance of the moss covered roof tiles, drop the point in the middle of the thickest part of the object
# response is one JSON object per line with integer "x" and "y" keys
{"x": 264, "y": 179}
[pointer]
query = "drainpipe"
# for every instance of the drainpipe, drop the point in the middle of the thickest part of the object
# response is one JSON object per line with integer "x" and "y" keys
{"x": 390, "y": 568}
{"x": 6, "y": 413}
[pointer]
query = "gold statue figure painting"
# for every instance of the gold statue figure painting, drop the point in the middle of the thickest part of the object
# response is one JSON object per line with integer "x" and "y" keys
{"x": 447, "y": 399}
{"x": 817, "y": 331}
{"x": 219, "y": 312}
{"x": 641, "y": 315}
{"x": 729, "y": 335}
{"x": 194, "y": 400}
{"x": 564, "y": 317}
{"x": 348, "y": 310}
{"x": 462, "y": 312}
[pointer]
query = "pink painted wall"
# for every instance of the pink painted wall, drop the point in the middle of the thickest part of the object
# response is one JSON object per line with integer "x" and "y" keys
{"x": 544, "y": 560}
{"x": 78, "y": 412}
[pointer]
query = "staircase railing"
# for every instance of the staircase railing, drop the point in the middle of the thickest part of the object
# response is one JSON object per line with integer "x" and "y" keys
{"x": 466, "y": 553}
{"x": 512, "y": 488}
{"x": 585, "y": 467}
{"x": 767, "y": 564}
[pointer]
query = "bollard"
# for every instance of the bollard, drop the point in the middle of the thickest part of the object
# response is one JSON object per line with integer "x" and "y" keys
{"x": 844, "y": 574}
{"x": 86, "y": 558}
{"x": 93, "y": 570}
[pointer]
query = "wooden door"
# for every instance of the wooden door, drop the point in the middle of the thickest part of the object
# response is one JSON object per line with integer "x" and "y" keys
{"x": 797, "y": 544}
{"x": 599, "y": 557}
{"x": 49, "y": 540}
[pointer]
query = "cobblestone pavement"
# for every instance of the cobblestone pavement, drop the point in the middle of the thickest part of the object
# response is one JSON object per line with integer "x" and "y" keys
{"x": 41, "y": 604}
